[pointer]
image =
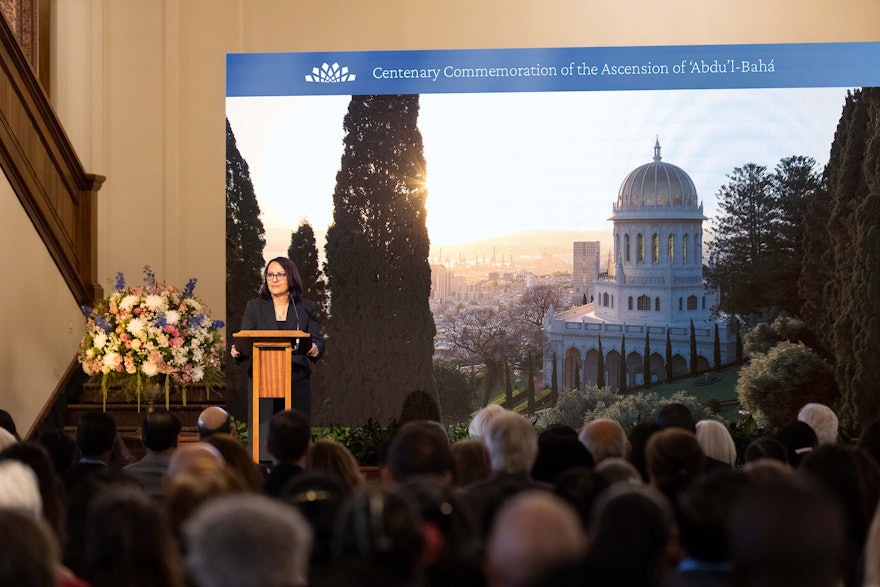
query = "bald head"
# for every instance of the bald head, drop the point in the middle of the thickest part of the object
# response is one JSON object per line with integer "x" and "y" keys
{"x": 213, "y": 420}
{"x": 193, "y": 455}
{"x": 605, "y": 439}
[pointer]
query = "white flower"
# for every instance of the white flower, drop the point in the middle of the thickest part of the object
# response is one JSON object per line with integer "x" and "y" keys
{"x": 194, "y": 304}
{"x": 149, "y": 368}
{"x": 110, "y": 359}
{"x": 172, "y": 316}
{"x": 100, "y": 340}
{"x": 198, "y": 373}
{"x": 136, "y": 326}
{"x": 128, "y": 302}
{"x": 155, "y": 302}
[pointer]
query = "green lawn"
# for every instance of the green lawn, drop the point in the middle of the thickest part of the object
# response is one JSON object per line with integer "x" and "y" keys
{"x": 721, "y": 386}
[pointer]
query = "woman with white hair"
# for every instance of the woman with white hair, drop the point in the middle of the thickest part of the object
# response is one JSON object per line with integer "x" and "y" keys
{"x": 717, "y": 444}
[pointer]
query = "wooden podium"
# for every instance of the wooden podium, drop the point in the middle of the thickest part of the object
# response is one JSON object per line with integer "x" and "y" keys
{"x": 271, "y": 352}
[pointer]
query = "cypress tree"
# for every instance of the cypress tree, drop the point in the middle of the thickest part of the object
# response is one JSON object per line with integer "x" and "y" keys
{"x": 646, "y": 365}
{"x": 554, "y": 383}
{"x": 622, "y": 367}
{"x": 531, "y": 387}
{"x": 577, "y": 377}
{"x": 508, "y": 388}
{"x": 584, "y": 300}
{"x": 669, "y": 371}
{"x": 716, "y": 350}
{"x": 739, "y": 345}
{"x": 693, "y": 350}
{"x": 303, "y": 251}
{"x": 245, "y": 241}
{"x": 381, "y": 333}
{"x": 600, "y": 367}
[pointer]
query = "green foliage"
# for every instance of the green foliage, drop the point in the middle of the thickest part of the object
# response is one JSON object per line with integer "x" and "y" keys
{"x": 455, "y": 391}
{"x": 774, "y": 386}
{"x": 574, "y": 408}
{"x": 381, "y": 332}
{"x": 303, "y": 251}
{"x": 764, "y": 336}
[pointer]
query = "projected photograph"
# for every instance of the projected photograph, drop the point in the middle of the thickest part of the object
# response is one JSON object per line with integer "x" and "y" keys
{"x": 509, "y": 246}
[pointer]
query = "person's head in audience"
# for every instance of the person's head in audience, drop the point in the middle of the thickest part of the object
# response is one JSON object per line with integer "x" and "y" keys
{"x": 872, "y": 553}
{"x": 767, "y": 470}
{"x": 716, "y": 442}
{"x": 580, "y": 487}
{"x": 19, "y": 488}
{"x": 533, "y": 533}
{"x": 766, "y": 448}
{"x": 128, "y": 542}
{"x": 638, "y": 441}
{"x": 676, "y": 415}
{"x": 558, "y": 451}
{"x": 238, "y": 459}
{"x": 62, "y": 449}
{"x": 675, "y": 460}
{"x": 853, "y": 478}
{"x": 213, "y": 420}
{"x": 477, "y": 426}
{"x": 36, "y": 457}
{"x": 289, "y": 437}
{"x": 160, "y": 430}
{"x": 191, "y": 456}
{"x": 248, "y": 541}
{"x": 419, "y": 448}
{"x": 8, "y": 424}
{"x": 378, "y": 540}
{"x": 471, "y": 460}
{"x": 6, "y": 438}
{"x": 334, "y": 458}
{"x": 631, "y": 526}
{"x": 618, "y": 470}
{"x": 822, "y": 420}
{"x": 799, "y": 438}
{"x": 453, "y": 549}
{"x": 788, "y": 531}
{"x": 869, "y": 440}
{"x": 29, "y": 555}
{"x": 512, "y": 443}
{"x": 95, "y": 435}
{"x": 605, "y": 439}
{"x": 704, "y": 512}
{"x": 419, "y": 405}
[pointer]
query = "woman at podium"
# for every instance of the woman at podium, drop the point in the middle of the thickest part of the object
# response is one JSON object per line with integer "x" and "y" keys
{"x": 280, "y": 306}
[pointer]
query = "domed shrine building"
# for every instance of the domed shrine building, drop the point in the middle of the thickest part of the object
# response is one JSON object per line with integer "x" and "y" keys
{"x": 652, "y": 292}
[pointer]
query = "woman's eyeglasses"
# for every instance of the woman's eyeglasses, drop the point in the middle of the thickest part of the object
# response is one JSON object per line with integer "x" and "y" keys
{"x": 276, "y": 276}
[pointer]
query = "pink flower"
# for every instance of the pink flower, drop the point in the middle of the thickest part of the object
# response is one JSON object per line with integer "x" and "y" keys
{"x": 176, "y": 341}
{"x": 137, "y": 311}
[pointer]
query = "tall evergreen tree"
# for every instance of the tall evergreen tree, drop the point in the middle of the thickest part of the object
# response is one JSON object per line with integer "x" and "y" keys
{"x": 600, "y": 367}
{"x": 508, "y": 388}
{"x": 739, "y": 345}
{"x": 669, "y": 370}
{"x": 646, "y": 365}
{"x": 381, "y": 332}
{"x": 554, "y": 383}
{"x": 577, "y": 377}
{"x": 244, "y": 261}
{"x": 693, "y": 350}
{"x": 716, "y": 350}
{"x": 530, "y": 388}
{"x": 303, "y": 251}
{"x": 621, "y": 372}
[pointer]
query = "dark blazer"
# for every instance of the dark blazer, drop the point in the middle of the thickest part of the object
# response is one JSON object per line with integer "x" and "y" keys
{"x": 259, "y": 314}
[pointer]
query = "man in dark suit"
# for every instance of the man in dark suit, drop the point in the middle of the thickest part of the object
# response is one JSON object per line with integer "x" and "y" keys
{"x": 95, "y": 435}
{"x": 288, "y": 442}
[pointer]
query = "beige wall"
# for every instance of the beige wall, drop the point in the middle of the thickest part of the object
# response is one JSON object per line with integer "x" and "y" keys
{"x": 139, "y": 86}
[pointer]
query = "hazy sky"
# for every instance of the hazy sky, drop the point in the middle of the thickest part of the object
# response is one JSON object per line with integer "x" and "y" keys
{"x": 504, "y": 162}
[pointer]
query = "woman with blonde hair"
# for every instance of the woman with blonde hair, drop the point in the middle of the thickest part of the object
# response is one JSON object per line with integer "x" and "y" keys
{"x": 717, "y": 444}
{"x": 333, "y": 457}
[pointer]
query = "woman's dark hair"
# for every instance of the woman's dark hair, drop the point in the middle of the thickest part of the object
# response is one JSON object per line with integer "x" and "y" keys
{"x": 294, "y": 281}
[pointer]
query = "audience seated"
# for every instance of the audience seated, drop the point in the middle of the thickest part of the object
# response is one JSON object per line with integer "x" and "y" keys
{"x": 248, "y": 540}
{"x": 8, "y": 423}
{"x": 192, "y": 456}
{"x": 675, "y": 460}
{"x": 52, "y": 495}
{"x": 616, "y": 470}
{"x": 822, "y": 420}
{"x": 287, "y": 441}
{"x": 638, "y": 441}
{"x": 532, "y": 534}
{"x": 766, "y": 448}
{"x": 95, "y": 437}
{"x": 238, "y": 460}
{"x": 799, "y": 438}
{"x": 580, "y": 487}
{"x": 159, "y": 432}
{"x": 478, "y": 424}
{"x": 558, "y": 451}
{"x": 419, "y": 448}
{"x": 605, "y": 439}
{"x": 869, "y": 440}
{"x": 378, "y": 541}
{"x": 19, "y": 488}
{"x": 128, "y": 542}
{"x": 717, "y": 444}
{"x": 676, "y": 415}
{"x": 213, "y": 420}
{"x": 62, "y": 449}
{"x": 332, "y": 457}
{"x": 788, "y": 531}
{"x": 6, "y": 438}
{"x": 471, "y": 461}
{"x": 29, "y": 553}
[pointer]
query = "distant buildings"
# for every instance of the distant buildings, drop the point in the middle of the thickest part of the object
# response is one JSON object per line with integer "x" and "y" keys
{"x": 654, "y": 287}
{"x": 585, "y": 270}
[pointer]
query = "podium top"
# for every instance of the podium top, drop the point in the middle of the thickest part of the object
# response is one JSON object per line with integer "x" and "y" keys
{"x": 245, "y": 339}
{"x": 271, "y": 334}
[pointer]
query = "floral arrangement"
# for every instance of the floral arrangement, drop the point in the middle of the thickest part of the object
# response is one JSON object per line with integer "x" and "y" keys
{"x": 151, "y": 330}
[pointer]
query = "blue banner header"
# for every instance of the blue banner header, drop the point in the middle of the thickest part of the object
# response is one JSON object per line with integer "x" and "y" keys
{"x": 554, "y": 70}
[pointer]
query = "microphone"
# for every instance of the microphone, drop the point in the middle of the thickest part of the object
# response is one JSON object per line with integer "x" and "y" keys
{"x": 295, "y": 313}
